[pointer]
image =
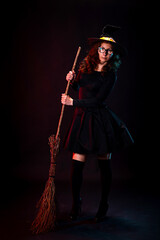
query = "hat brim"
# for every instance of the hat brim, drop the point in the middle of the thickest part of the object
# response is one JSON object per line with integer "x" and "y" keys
{"x": 120, "y": 49}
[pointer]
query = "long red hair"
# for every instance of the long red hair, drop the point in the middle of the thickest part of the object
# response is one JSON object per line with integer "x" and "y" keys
{"x": 90, "y": 62}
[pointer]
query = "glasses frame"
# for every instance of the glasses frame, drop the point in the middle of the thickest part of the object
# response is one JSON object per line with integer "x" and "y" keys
{"x": 107, "y": 51}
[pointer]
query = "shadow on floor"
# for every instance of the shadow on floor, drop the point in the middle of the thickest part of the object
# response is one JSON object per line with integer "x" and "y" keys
{"x": 133, "y": 214}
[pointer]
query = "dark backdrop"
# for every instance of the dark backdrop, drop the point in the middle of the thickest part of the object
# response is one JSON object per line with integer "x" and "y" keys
{"x": 40, "y": 40}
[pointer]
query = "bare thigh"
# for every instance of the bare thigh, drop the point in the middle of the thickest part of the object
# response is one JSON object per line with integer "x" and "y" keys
{"x": 82, "y": 157}
{"x": 79, "y": 157}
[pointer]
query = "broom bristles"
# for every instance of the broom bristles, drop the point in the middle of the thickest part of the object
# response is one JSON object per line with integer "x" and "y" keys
{"x": 46, "y": 216}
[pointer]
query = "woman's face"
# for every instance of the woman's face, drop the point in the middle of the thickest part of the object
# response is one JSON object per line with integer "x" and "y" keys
{"x": 105, "y": 52}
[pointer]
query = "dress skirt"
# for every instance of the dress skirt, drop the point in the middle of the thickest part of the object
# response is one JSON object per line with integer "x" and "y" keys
{"x": 96, "y": 131}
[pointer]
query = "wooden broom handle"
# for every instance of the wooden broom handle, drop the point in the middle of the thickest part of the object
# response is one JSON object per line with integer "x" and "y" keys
{"x": 66, "y": 91}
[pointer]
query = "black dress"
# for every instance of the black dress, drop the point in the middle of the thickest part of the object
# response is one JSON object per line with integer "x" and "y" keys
{"x": 94, "y": 127}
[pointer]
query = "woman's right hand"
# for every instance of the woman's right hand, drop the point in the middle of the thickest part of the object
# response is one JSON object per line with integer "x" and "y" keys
{"x": 70, "y": 76}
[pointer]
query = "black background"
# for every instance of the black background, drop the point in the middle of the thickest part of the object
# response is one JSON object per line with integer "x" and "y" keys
{"x": 39, "y": 43}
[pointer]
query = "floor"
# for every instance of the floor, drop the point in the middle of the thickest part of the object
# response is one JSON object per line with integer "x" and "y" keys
{"x": 133, "y": 213}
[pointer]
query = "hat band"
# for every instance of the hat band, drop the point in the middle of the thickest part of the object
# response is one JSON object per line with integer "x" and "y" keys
{"x": 108, "y": 39}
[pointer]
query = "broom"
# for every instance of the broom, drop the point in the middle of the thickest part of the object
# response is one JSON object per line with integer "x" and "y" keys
{"x": 46, "y": 216}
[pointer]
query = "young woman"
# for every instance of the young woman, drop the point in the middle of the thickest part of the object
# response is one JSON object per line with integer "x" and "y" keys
{"x": 95, "y": 128}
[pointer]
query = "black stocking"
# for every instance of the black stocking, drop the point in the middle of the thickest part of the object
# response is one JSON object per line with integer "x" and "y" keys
{"x": 106, "y": 179}
{"x": 76, "y": 182}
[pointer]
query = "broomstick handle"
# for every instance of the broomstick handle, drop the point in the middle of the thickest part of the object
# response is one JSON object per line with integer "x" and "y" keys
{"x": 66, "y": 91}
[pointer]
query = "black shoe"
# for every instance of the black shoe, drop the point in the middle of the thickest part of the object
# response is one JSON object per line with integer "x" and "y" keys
{"x": 76, "y": 210}
{"x": 101, "y": 214}
{"x": 99, "y": 218}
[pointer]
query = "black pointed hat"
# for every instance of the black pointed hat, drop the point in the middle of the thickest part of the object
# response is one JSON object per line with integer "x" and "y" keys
{"x": 107, "y": 35}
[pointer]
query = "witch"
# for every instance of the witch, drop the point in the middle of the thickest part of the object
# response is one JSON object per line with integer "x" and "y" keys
{"x": 95, "y": 129}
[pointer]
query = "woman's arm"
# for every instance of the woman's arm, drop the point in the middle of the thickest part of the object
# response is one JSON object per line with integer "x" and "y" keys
{"x": 66, "y": 100}
{"x": 95, "y": 101}
{"x": 71, "y": 76}
{"x": 101, "y": 95}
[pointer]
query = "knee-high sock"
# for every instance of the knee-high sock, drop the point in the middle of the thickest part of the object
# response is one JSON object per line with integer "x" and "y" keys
{"x": 76, "y": 180}
{"x": 106, "y": 179}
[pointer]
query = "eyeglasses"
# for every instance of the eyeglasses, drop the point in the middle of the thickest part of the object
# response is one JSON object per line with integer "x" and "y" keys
{"x": 107, "y": 51}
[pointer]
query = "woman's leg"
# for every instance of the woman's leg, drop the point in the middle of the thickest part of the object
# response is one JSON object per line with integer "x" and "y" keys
{"x": 78, "y": 161}
{"x": 79, "y": 157}
{"x": 106, "y": 178}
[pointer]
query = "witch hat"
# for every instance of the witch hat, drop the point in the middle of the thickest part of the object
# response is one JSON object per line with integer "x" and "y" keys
{"x": 107, "y": 35}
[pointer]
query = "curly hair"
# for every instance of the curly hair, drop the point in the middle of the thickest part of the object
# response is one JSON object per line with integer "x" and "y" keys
{"x": 90, "y": 62}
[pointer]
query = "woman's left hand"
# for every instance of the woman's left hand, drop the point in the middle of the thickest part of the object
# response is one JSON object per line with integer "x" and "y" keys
{"x": 66, "y": 100}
